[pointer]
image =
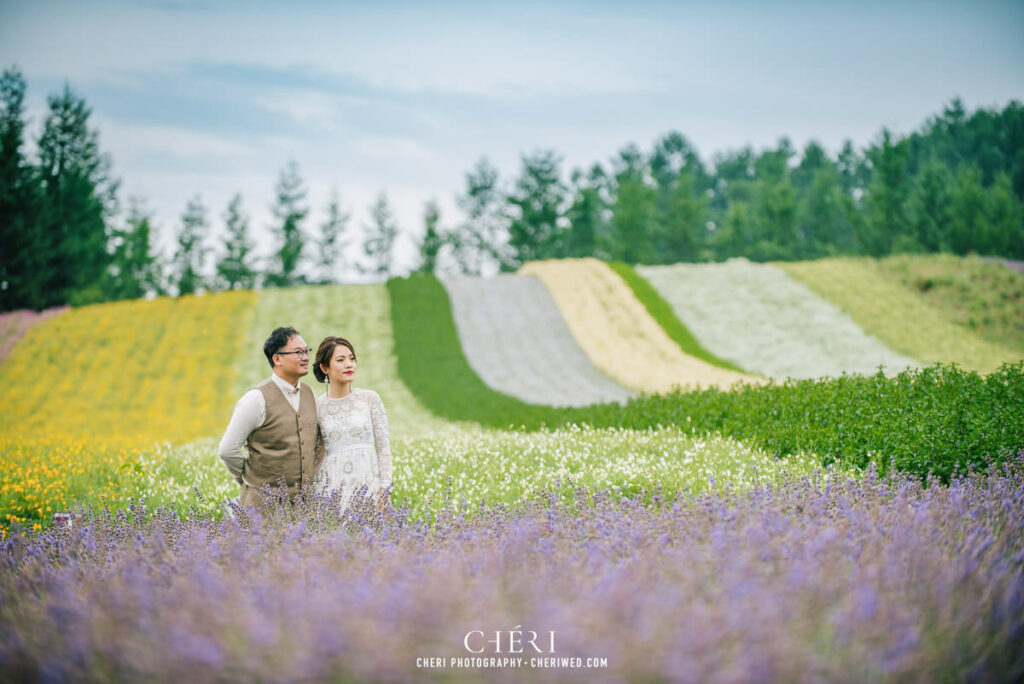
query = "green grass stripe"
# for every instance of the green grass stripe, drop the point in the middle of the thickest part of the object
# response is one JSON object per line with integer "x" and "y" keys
{"x": 661, "y": 311}
{"x": 431, "y": 361}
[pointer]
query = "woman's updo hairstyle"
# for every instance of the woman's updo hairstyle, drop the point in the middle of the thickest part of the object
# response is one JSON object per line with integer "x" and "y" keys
{"x": 325, "y": 353}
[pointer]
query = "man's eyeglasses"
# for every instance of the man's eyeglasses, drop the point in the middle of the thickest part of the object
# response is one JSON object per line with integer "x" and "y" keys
{"x": 301, "y": 352}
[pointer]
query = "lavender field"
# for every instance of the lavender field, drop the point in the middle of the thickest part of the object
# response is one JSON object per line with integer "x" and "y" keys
{"x": 808, "y": 578}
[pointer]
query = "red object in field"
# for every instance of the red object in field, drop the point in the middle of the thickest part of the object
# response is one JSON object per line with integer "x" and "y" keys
{"x": 65, "y": 519}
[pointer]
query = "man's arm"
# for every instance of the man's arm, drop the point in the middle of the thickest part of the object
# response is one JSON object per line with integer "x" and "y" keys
{"x": 250, "y": 413}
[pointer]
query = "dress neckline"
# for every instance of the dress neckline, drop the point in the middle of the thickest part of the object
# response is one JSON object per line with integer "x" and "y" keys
{"x": 330, "y": 398}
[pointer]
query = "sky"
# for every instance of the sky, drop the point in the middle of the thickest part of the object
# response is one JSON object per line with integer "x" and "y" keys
{"x": 215, "y": 98}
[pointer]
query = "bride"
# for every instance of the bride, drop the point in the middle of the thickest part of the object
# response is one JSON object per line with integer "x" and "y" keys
{"x": 354, "y": 428}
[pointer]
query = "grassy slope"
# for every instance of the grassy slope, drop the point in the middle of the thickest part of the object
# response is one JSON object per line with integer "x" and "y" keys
{"x": 897, "y": 316}
{"x": 985, "y": 297}
{"x": 661, "y": 311}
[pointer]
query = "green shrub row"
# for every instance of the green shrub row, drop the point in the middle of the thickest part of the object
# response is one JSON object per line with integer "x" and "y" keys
{"x": 931, "y": 420}
{"x": 661, "y": 311}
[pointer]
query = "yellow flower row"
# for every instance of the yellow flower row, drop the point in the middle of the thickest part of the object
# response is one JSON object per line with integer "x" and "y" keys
{"x": 141, "y": 371}
{"x": 614, "y": 329}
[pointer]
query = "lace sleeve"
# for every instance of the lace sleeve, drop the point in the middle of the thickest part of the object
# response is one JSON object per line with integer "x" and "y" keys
{"x": 381, "y": 439}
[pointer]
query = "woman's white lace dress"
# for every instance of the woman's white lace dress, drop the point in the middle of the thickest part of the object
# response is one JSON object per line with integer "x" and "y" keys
{"x": 358, "y": 452}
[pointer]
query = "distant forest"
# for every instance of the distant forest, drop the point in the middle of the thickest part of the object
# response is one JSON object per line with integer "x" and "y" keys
{"x": 955, "y": 185}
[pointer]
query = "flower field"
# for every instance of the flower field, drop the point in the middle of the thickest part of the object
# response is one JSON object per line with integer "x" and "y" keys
{"x": 141, "y": 371}
{"x": 897, "y": 315}
{"x": 514, "y": 338}
{"x": 617, "y": 333}
{"x": 15, "y": 324}
{"x": 788, "y": 331}
{"x": 805, "y": 579}
{"x": 862, "y": 527}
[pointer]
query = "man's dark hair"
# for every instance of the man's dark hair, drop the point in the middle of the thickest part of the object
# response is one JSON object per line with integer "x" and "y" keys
{"x": 276, "y": 341}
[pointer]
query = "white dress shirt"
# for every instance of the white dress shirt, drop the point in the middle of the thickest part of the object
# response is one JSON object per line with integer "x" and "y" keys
{"x": 250, "y": 413}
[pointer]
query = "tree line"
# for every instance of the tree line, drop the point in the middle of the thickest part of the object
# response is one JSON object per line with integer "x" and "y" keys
{"x": 955, "y": 185}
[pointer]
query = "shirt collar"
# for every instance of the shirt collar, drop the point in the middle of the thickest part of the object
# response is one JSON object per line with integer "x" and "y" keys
{"x": 283, "y": 384}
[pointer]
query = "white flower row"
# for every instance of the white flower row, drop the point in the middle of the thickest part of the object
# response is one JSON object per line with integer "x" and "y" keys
{"x": 762, "y": 320}
{"x": 516, "y": 341}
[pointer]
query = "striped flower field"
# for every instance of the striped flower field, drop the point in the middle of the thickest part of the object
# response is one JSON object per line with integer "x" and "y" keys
{"x": 556, "y": 470}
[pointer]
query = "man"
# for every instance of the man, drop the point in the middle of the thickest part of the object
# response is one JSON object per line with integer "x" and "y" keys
{"x": 277, "y": 422}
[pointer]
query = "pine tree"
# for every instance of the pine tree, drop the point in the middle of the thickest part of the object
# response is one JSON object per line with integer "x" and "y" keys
{"x": 290, "y": 213}
{"x": 536, "y": 229}
{"x": 930, "y": 206}
{"x": 967, "y": 211}
{"x": 234, "y": 270}
{"x": 380, "y": 238}
{"x": 1004, "y": 218}
{"x": 634, "y": 209}
{"x": 78, "y": 197}
{"x": 20, "y": 230}
{"x": 190, "y": 257}
{"x": 135, "y": 268}
{"x": 330, "y": 259}
{"x": 433, "y": 241}
{"x": 885, "y": 203}
{"x": 480, "y": 242}
{"x": 586, "y": 213}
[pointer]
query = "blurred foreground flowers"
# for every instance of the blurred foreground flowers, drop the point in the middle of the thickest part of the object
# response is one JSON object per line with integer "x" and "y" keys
{"x": 807, "y": 579}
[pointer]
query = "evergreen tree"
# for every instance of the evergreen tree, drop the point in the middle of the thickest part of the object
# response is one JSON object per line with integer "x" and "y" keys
{"x": 1004, "y": 219}
{"x": 885, "y": 202}
{"x": 234, "y": 270}
{"x": 78, "y": 197}
{"x": 480, "y": 241}
{"x": 380, "y": 238}
{"x": 190, "y": 257}
{"x": 930, "y": 206}
{"x": 290, "y": 213}
{"x": 330, "y": 259}
{"x": 536, "y": 228}
{"x": 634, "y": 211}
{"x": 587, "y": 214}
{"x": 684, "y": 222}
{"x": 433, "y": 241}
{"x": 135, "y": 269}
{"x": 23, "y": 243}
{"x": 967, "y": 210}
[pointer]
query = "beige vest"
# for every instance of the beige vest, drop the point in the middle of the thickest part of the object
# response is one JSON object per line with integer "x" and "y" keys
{"x": 285, "y": 446}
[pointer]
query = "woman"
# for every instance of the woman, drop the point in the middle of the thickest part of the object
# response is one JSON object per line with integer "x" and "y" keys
{"x": 354, "y": 428}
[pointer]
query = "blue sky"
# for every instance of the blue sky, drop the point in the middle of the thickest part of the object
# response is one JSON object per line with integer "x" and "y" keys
{"x": 216, "y": 97}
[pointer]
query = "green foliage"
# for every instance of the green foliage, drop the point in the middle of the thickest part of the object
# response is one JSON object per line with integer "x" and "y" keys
{"x": 191, "y": 253}
{"x": 931, "y": 420}
{"x": 432, "y": 365}
{"x": 234, "y": 269}
{"x": 330, "y": 259}
{"x": 380, "y": 237}
{"x": 661, "y": 311}
{"x": 291, "y": 212}
{"x": 78, "y": 197}
{"x": 534, "y": 230}
{"x": 23, "y": 242}
{"x": 430, "y": 246}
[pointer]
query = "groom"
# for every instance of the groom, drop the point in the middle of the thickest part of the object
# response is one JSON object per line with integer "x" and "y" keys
{"x": 276, "y": 421}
